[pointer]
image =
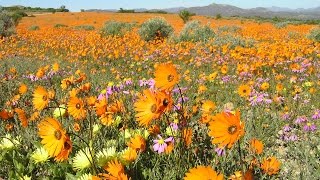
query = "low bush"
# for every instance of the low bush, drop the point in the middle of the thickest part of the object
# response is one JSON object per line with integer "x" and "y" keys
{"x": 84, "y": 27}
{"x": 115, "y": 28}
{"x": 154, "y": 29}
{"x": 7, "y": 25}
{"x": 193, "y": 31}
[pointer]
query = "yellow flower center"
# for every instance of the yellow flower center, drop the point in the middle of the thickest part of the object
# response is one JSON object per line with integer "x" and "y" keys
{"x": 232, "y": 129}
{"x": 153, "y": 108}
{"x": 78, "y": 105}
{"x": 57, "y": 134}
{"x": 161, "y": 141}
{"x": 170, "y": 78}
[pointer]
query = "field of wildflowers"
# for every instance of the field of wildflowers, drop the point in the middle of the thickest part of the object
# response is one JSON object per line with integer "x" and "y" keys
{"x": 76, "y": 103}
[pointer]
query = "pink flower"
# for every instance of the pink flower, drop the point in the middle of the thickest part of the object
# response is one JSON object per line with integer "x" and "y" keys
{"x": 161, "y": 144}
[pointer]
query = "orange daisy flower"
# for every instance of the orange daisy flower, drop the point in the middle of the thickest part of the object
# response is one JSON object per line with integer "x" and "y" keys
{"x": 137, "y": 143}
{"x": 208, "y": 106}
{"x": 67, "y": 82}
{"x": 101, "y": 107}
{"x": 270, "y": 165}
{"x": 147, "y": 107}
{"x": 67, "y": 148}
{"x": 130, "y": 155}
{"x": 5, "y": 115}
{"x": 40, "y": 98}
{"x": 256, "y": 146}
{"x": 115, "y": 170}
{"x": 53, "y": 136}
{"x": 107, "y": 118}
{"x": 165, "y": 100}
{"x": 244, "y": 90}
{"x": 166, "y": 76}
{"x": 23, "y": 89}
{"x": 187, "y": 136}
{"x": 22, "y": 117}
{"x": 203, "y": 173}
{"x": 264, "y": 86}
{"x": 76, "y": 108}
{"x": 226, "y": 129}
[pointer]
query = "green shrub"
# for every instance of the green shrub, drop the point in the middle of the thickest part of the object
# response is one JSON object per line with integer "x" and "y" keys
{"x": 193, "y": 31}
{"x": 34, "y": 28}
{"x": 17, "y": 16}
{"x": 229, "y": 29}
{"x": 185, "y": 15}
{"x": 314, "y": 34}
{"x": 155, "y": 28}
{"x": 233, "y": 41}
{"x": 84, "y": 27}
{"x": 7, "y": 25}
{"x": 281, "y": 25}
{"x": 115, "y": 28}
{"x": 60, "y": 26}
{"x": 218, "y": 16}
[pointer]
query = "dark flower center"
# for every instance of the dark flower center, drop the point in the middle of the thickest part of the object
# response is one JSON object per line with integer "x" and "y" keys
{"x": 44, "y": 98}
{"x": 271, "y": 169}
{"x": 68, "y": 83}
{"x": 57, "y": 134}
{"x": 78, "y": 106}
{"x": 66, "y": 145}
{"x": 232, "y": 129}
{"x": 153, "y": 108}
{"x": 165, "y": 102}
{"x": 170, "y": 78}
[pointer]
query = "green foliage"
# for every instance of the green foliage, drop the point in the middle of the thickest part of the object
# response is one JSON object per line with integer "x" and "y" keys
{"x": 314, "y": 34}
{"x": 233, "y": 41}
{"x": 34, "y": 9}
{"x": 60, "y": 26}
{"x": 185, "y": 15}
{"x": 156, "y": 12}
{"x": 126, "y": 10}
{"x": 115, "y": 28}
{"x": 155, "y": 28}
{"x": 229, "y": 29}
{"x": 194, "y": 32}
{"x": 34, "y": 28}
{"x": 84, "y": 27}
{"x": 218, "y": 16}
{"x": 17, "y": 16}
{"x": 7, "y": 25}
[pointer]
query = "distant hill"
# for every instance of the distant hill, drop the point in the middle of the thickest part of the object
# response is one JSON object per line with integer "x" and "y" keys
{"x": 229, "y": 10}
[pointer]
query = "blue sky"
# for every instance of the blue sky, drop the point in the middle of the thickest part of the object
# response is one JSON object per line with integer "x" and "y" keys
{"x": 76, "y": 5}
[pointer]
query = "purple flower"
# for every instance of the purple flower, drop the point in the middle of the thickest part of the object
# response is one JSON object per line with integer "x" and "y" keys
{"x": 310, "y": 127}
{"x": 183, "y": 99}
{"x": 285, "y": 116}
{"x": 286, "y": 128}
{"x": 174, "y": 126}
{"x": 177, "y": 90}
{"x": 301, "y": 119}
{"x": 220, "y": 151}
{"x": 226, "y": 79}
{"x": 259, "y": 98}
{"x": 128, "y": 82}
{"x": 161, "y": 144}
{"x": 316, "y": 114}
